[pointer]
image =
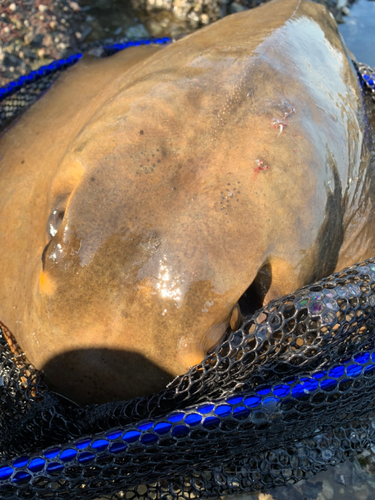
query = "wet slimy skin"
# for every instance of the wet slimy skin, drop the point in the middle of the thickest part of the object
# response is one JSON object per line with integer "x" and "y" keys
{"x": 145, "y": 193}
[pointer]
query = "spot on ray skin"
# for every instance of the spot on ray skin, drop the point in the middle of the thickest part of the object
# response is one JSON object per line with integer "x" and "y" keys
{"x": 228, "y": 195}
{"x": 261, "y": 166}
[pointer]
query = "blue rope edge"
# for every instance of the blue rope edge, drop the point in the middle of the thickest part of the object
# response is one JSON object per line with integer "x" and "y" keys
{"x": 12, "y": 87}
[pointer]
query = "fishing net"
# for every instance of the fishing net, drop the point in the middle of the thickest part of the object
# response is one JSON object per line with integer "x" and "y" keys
{"x": 283, "y": 397}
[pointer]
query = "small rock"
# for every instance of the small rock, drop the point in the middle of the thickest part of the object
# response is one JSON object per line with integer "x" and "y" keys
{"x": 74, "y": 6}
{"x": 41, "y": 53}
{"x": 6, "y": 29}
{"x": 78, "y": 35}
{"x": 138, "y": 31}
{"x": 362, "y": 492}
{"x": 155, "y": 27}
{"x": 366, "y": 453}
{"x": 345, "y": 10}
{"x": 29, "y": 54}
{"x": 42, "y": 8}
{"x": 117, "y": 31}
{"x": 37, "y": 40}
{"x": 86, "y": 32}
{"x": 13, "y": 7}
{"x": 96, "y": 51}
{"x": 47, "y": 40}
{"x": 26, "y": 23}
{"x": 28, "y": 38}
{"x": 53, "y": 25}
{"x": 327, "y": 490}
{"x": 236, "y": 7}
{"x": 205, "y": 19}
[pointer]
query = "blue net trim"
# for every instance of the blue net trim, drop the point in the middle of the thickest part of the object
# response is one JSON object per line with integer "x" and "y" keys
{"x": 12, "y": 87}
{"x": 251, "y": 407}
{"x": 367, "y": 78}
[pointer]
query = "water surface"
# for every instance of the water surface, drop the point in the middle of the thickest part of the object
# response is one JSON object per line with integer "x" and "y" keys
{"x": 359, "y": 31}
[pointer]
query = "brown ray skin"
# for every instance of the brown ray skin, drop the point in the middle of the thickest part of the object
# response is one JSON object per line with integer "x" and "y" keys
{"x": 152, "y": 264}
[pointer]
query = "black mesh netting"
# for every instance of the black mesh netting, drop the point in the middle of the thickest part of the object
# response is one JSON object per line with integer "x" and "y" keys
{"x": 286, "y": 395}
{"x": 11, "y": 106}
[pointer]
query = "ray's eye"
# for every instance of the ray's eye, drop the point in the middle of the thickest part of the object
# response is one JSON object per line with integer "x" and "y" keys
{"x": 54, "y": 222}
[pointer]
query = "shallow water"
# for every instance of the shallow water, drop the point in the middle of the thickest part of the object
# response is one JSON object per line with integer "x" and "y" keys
{"x": 359, "y": 31}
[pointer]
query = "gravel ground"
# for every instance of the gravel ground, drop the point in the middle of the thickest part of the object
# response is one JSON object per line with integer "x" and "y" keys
{"x": 36, "y": 32}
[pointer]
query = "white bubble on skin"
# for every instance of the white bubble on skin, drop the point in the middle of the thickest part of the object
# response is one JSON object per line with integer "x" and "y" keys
{"x": 57, "y": 254}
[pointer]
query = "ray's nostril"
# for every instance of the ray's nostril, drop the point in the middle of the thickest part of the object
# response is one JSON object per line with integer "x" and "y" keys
{"x": 44, "y": 253}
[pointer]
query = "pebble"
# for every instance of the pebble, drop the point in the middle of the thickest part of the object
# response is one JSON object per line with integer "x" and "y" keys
{"x": 327, "y": 490}
{"x": 96, "y": 51}
{"x": 205, "y": 19}
{"x": 74, "y": 6}
{"x": 137, "y": 31}
{"x": 13, "y": 7}
{"x": 42, "y": 8}
{"x": 361, "y": 492}
{"x": 236, "y": 7}
{"x": 85, "y": 33}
